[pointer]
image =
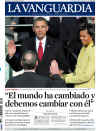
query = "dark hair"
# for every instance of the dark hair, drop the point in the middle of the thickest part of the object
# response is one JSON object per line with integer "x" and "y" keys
{"x": 29, "y": 63}
{"x": 40, "y": 19}
{"x": 90, "y": 29}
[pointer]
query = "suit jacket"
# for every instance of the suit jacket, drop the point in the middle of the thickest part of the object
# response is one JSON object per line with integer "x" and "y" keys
{"x": 68, "y": 32}
{"x": 65, "y": 30}
{"x": 53, "y": 50}
{"x": 83, "y": 77}
{"x": 32, "y": 80}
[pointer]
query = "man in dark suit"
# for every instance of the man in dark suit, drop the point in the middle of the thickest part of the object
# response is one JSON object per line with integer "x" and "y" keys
{"x": 66, "y": 29}
{"x": 30, "y": 79}
{"x": 46, "y": 48}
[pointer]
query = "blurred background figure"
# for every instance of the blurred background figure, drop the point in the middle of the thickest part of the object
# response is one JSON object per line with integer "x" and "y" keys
{"x": 65, "y": 29}
{"x": 84, "y": 74}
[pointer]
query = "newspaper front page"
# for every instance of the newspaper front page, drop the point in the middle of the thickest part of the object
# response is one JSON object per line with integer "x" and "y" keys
{"x": 67, "y": 107}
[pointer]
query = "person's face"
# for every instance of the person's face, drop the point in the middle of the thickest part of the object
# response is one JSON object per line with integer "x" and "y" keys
{"x": 40, "y": 28}
{"x": 85, "y": 37}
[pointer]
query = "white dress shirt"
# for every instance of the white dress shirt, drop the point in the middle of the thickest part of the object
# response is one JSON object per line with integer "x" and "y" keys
{"x": 43, "y": 43}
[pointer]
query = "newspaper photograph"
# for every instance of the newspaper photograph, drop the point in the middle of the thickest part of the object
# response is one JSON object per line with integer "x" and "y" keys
{"x": 49, "y": 65}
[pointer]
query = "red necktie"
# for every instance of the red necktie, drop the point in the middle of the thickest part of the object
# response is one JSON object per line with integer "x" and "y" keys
{"x": 40, "y": 51}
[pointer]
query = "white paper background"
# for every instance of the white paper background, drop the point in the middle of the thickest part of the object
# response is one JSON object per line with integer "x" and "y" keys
{"x": 2, "y": 57}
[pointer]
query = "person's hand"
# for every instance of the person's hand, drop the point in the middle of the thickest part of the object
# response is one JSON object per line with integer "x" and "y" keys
{"x": 11, "y": 48}
{"x": 54, "y": 69}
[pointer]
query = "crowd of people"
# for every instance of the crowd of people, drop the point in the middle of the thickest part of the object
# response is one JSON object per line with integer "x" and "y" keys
{"x": 64, "y": 50}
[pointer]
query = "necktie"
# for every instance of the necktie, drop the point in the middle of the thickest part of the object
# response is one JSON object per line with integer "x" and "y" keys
{"x": 40, "y": 51}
